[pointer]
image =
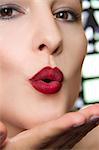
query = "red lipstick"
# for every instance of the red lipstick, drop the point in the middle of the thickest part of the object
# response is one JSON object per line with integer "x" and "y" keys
{"x": 48, "y": 80}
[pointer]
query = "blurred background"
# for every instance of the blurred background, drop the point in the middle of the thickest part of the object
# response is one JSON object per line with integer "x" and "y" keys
{"x": 90, "y": 73}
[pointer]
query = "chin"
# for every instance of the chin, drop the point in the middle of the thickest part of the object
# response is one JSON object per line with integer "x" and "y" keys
{"x": 31, "y": 122}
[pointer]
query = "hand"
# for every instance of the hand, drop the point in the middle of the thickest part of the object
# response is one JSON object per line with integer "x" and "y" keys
{"x": 3, "y": 134}
{"x": 59, "y": 134}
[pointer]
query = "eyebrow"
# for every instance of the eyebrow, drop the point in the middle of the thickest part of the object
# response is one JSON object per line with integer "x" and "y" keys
{"x": 78, "y": 0}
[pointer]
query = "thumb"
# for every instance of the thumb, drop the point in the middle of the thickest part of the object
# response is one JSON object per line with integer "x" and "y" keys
{"x": 3, "y": 134}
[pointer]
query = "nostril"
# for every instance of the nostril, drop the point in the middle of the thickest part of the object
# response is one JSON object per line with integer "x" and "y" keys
{"x": 55, "y": 51}
{"x": 42, "y": 46}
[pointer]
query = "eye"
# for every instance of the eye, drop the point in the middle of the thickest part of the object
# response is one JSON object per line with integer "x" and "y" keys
{"x": 67, "y": 15}
{"x": 10, "y": 11}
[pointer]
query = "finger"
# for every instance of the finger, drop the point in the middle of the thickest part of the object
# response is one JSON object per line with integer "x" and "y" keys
{"x": 3, "y": 134}
{"x": 45, "y": 132}
{"x": 69, "y": 138}
{"x": 82, "y": 131}
{"x": 91, "y": 110}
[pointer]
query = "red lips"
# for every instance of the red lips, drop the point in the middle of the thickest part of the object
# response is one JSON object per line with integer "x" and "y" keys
{"x": 48, "y": 80}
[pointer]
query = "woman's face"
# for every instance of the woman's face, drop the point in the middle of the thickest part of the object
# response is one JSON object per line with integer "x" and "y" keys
{"x": 35, "y": 34}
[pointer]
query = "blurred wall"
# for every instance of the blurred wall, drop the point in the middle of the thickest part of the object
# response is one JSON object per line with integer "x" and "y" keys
{"x": 90, "y": 73}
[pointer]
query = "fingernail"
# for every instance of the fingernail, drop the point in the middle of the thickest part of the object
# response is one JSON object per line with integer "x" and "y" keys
{"x": 94, "y": 119}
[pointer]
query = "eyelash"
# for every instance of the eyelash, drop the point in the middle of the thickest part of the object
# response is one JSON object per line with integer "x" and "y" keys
{"x": 10, "y": 11}
{"x": 63, "y": 15}
{"x": 67, "y": 16}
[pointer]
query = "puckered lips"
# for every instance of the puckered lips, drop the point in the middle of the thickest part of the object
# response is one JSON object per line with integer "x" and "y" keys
{"x": 48, "y": 80}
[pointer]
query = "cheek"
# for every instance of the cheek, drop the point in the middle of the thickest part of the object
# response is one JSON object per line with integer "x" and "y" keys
{"x": 13, "y": 55}
{"x": 13, "y": 47}
{"x": 74, "y": 51}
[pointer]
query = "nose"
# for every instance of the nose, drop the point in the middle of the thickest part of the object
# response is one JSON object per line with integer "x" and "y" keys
{"x": 47, "y": 34}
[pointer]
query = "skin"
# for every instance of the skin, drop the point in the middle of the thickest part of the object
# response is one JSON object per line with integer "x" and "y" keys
{"x": 21, "y": 57}
{"x": 57, "y": 134}
{"x": 88, "y": 142}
